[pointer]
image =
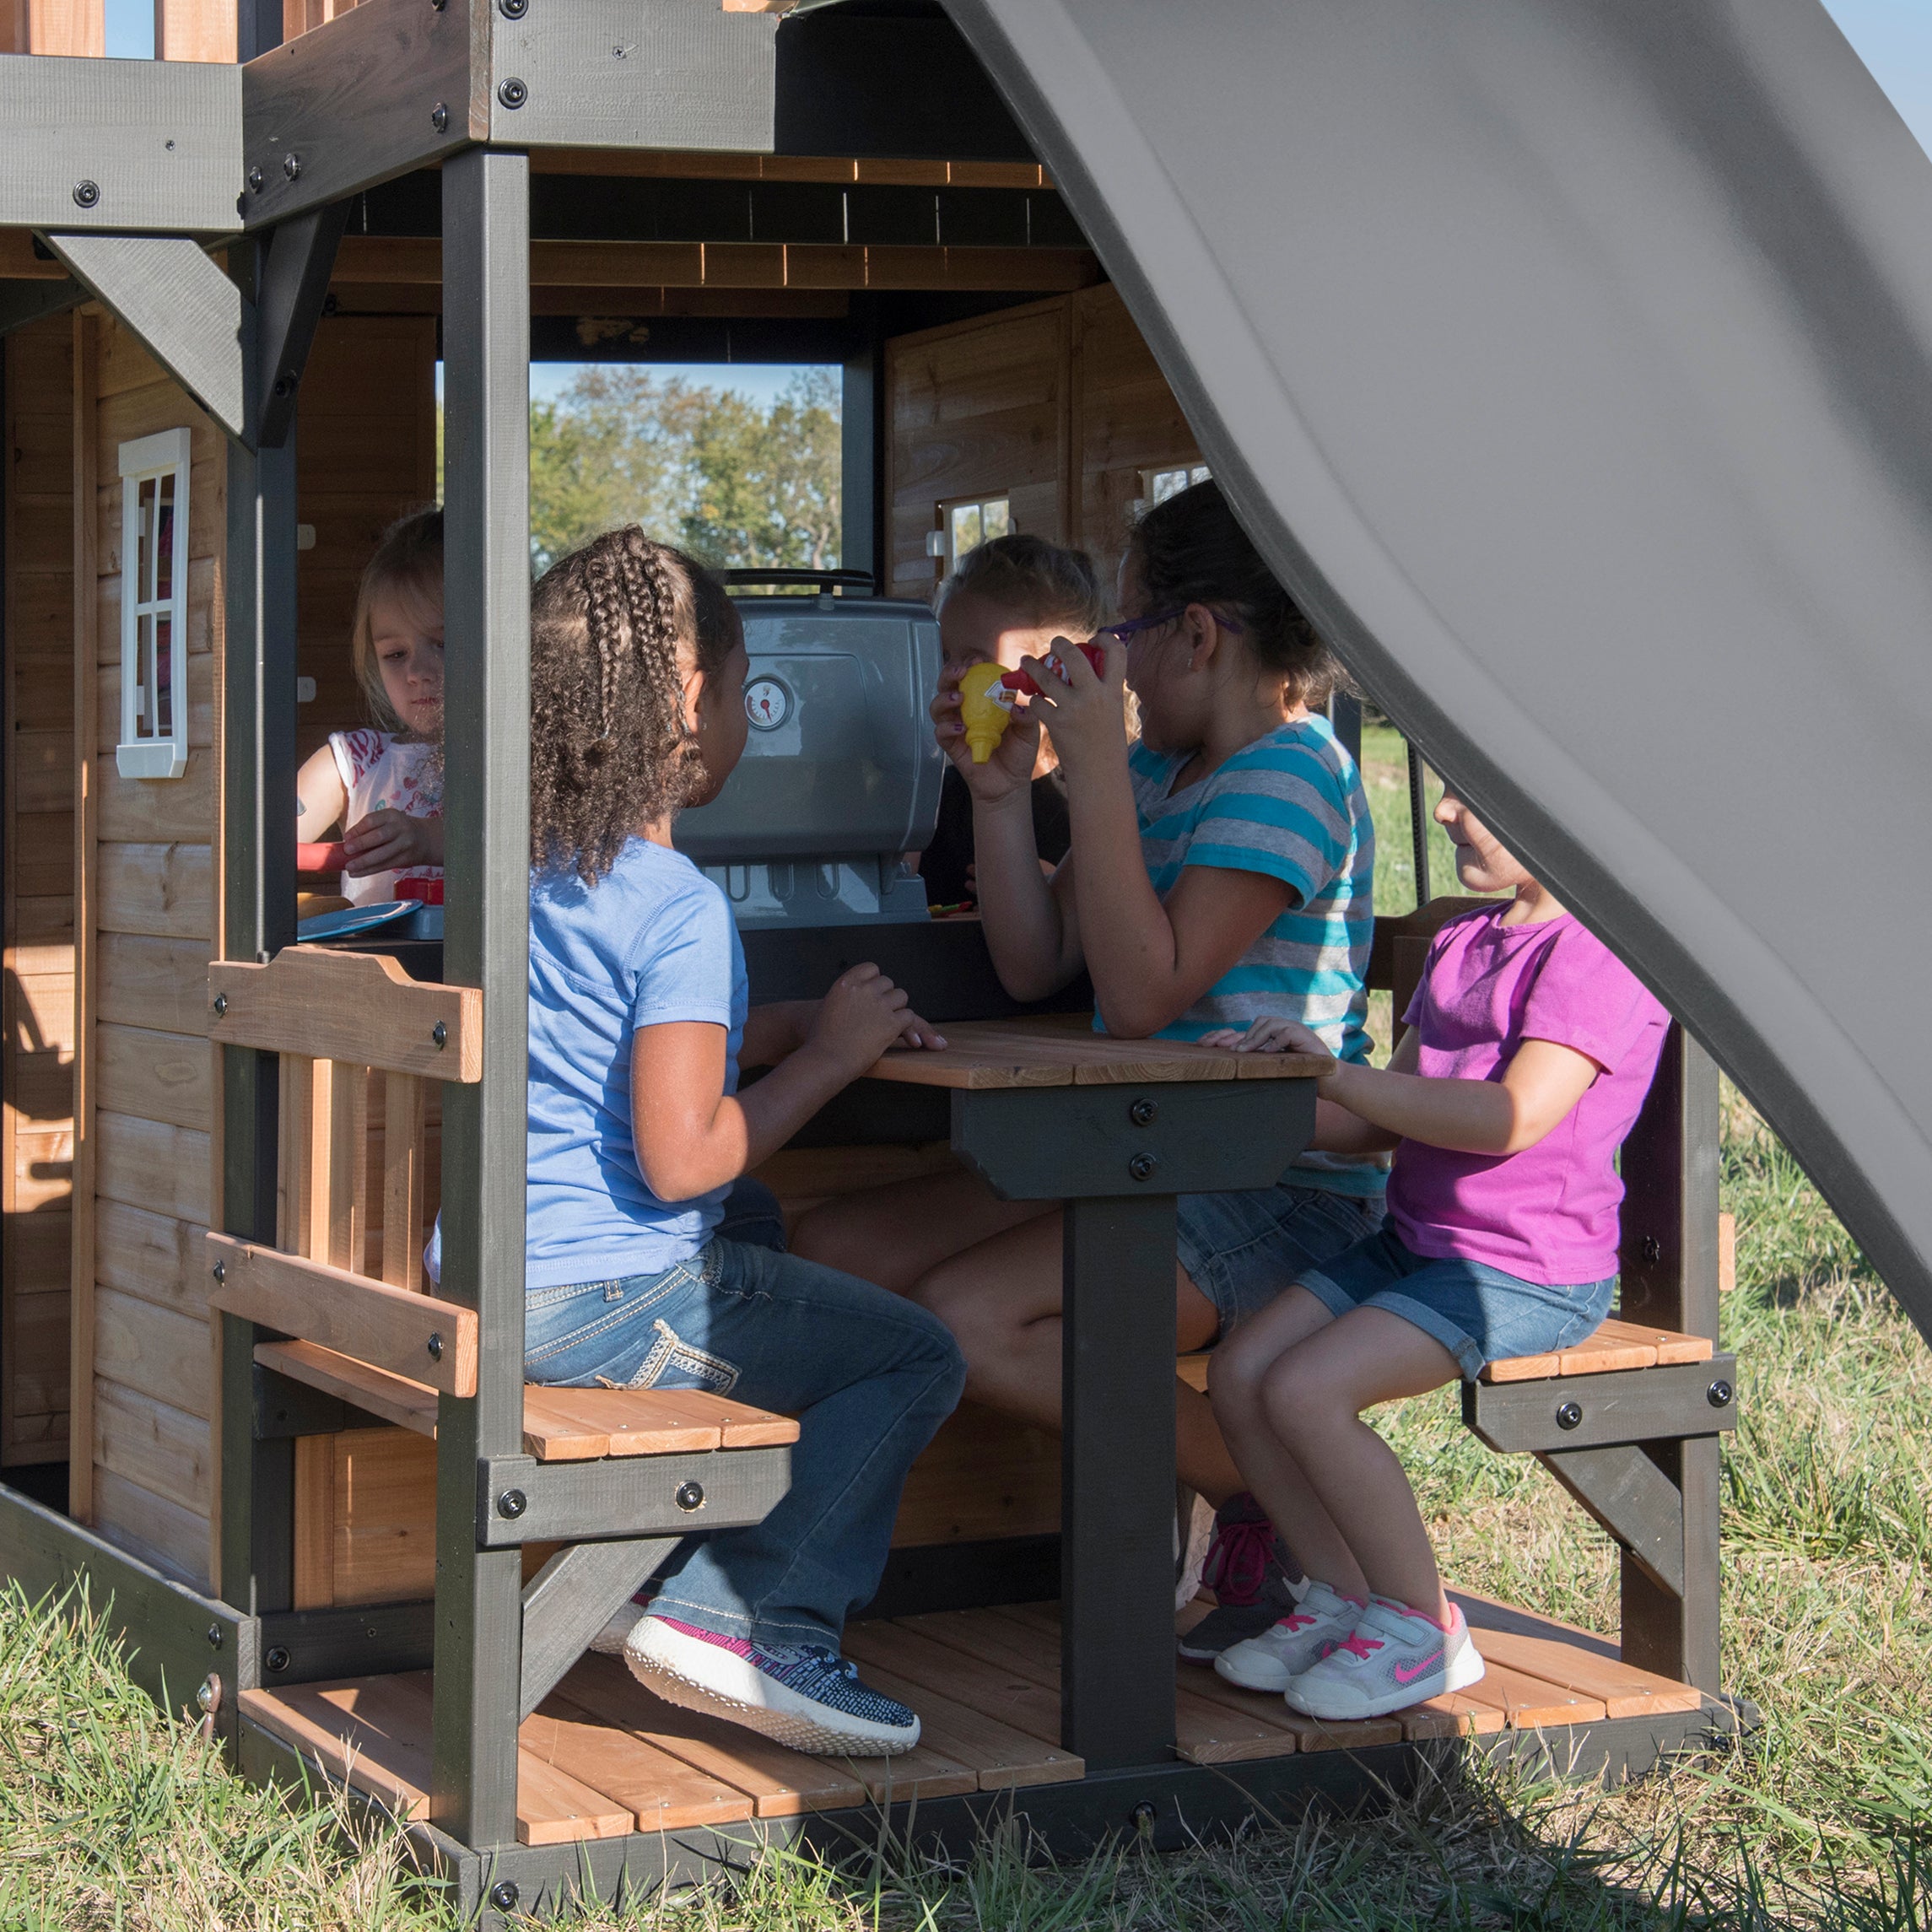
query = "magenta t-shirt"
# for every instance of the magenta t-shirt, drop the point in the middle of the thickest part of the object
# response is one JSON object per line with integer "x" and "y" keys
{"x": 1548, "y": 1214}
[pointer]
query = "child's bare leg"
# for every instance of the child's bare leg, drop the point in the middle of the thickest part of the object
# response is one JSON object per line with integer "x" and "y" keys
{"x": 1314, "y": 1396}
{"x": 1002, "y": 1300}
{"x": 1237, "y": 1375}
{"x": 893, "y": 1234}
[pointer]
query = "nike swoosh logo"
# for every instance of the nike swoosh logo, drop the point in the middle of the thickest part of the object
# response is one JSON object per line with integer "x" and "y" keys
{"x": 1408, "y": 1673}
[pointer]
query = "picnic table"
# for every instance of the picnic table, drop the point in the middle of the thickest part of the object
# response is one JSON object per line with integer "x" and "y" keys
{"x": 1047, "y": 1109}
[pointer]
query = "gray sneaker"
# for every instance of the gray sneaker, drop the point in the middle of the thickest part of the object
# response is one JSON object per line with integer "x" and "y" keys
{"x": 1254, "y": 1577}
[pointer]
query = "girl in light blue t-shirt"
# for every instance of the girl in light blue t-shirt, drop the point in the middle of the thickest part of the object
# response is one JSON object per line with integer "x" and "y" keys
{"x": 638, "y": 1022}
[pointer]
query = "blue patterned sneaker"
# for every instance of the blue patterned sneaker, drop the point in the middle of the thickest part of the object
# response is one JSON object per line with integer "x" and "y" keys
{"x": 804, "y": 1696}
{"x": 1396, "y": 1656}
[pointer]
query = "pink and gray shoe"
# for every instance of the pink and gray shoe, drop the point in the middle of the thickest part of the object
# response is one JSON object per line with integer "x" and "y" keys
{"x": 1294, "y": 1643}
{"x": 1394, "y": 1657}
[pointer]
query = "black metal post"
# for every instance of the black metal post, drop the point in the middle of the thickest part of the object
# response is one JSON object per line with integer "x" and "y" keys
{"x": 1418, "y": 828}
{"x": 1117, "y": 1450}
{"x": 258, "y": 919}
{"x": 486, "y": 337}
{"x": 1669, "y": 1270}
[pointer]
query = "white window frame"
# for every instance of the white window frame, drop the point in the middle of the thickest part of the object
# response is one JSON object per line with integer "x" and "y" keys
{"x": 941, "y": 543}
{"x": 150, "y": 459}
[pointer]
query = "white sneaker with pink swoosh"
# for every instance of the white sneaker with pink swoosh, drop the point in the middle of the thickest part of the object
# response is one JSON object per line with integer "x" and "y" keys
{"x": 1396, "y": 1656}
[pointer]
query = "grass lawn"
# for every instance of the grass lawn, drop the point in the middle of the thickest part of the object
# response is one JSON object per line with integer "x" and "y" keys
{"x": 110, "y": 1817}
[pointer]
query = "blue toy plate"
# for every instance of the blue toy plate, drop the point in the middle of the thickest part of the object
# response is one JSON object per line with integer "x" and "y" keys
{"x": 354, "y": 919}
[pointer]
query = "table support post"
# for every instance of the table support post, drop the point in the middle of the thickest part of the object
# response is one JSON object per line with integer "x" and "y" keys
{"x": 1117, "y": 1568}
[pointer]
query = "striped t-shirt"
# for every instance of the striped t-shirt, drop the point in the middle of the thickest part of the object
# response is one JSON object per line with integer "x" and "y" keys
{"x": 1290, "y": 805}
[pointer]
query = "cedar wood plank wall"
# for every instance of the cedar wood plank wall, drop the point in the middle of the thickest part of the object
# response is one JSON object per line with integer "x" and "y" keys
{"x": 147, "y": 1151}
{"x": 36, "y": 1130}
{"x": 1058, "y": 406}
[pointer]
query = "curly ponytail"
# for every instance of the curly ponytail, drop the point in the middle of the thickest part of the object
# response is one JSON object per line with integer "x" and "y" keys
{"x": 608, "y": 750}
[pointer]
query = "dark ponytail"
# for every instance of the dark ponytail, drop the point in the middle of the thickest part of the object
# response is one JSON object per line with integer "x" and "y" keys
{"x": 1189, "y": 550}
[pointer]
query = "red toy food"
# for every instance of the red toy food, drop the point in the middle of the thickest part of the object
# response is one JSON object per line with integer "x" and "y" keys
{"x": 1024, "y": 681}
{"x": 320, "y": 858}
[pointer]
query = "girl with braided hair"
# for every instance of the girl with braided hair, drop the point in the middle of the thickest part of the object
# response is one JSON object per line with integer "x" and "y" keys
{"x": 639, "y": 1023}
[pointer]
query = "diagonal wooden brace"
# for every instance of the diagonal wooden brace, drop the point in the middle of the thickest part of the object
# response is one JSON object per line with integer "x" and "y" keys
{"x": 1632, "y": 1499}
{"x": 570, "y": 1599}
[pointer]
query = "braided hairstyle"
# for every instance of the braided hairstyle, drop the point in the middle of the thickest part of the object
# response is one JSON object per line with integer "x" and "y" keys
{"x": 1189, "y": 550}
{"x": 608, "y": 749}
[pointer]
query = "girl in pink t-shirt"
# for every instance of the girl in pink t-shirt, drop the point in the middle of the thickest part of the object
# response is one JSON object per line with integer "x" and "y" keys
{"x": 1529, "y": 1050}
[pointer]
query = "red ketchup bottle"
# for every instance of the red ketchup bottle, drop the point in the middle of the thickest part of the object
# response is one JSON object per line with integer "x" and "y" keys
{"x": 1096, "y": 656}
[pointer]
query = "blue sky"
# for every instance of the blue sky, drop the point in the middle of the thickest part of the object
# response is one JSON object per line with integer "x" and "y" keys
{"x": 1893, "y": 38}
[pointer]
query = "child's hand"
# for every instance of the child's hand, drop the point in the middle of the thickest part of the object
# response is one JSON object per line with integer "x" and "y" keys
{"x": 1087, "y": 715}
{"x": 388, "y": 840}
{"x": 1009, "y": 771}
{"x": 1271, "y": 1034}
{"x": 863, "y": 1015}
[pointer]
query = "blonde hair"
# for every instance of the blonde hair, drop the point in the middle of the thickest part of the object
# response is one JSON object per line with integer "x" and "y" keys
{"x": 409, "y": 558}
{"x": 1050, "y": 585}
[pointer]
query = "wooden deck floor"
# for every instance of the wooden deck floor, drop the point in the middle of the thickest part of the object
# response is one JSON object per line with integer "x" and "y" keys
{"x": 602, "y": 1757}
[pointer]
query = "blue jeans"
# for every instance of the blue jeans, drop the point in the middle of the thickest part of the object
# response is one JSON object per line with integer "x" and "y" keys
{"x": 1241, "y": 1250}
{"x": 869, "y": 1377}
{"x": 1477, "y": 1312}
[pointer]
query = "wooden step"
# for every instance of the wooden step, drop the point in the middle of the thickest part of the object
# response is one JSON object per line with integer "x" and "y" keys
{"x": 559, "y": 1425}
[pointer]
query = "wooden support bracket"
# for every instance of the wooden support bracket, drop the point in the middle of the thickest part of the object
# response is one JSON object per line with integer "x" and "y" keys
{"x": 1632, "y": 1499}
{"x": 570, "y": 1599}
{"x": 409, "y": 1334}
{"x": 358, "y": 1007}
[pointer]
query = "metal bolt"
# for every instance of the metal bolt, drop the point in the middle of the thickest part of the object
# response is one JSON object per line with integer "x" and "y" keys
{"x": 440, "y": 117}
{"x": 690, "y": 1495}
{"x": 1653, "y": 1249}
{"x": 504, "y": 1894}
{"x": 86, "y": 193}
{"x": 439, "y": 1035}
{"x": 255, "y": 180}
{"x": 284, "y": 384}
{"x": 277, "y": 1658}
{"x": 1142, "y": 1166}
{"x": 1719, "y": 1395}
{"x": 220, "y": 1005}
{"x": 1142, "y": 1818}
{"x": 214, "y": 1636}
{"x": 1143, "y": 1113}
{"x": 292, "y": 166}
{"x": 1568, "y": 1416}
{"x": 220, "y": 1272}
{"x": 208, "y": 1697}
{"x": 514, "y": 9}
{"x": 435, "y": 1347}
{"x": 512, "y": 1503}
{"x": 512, "y": 93}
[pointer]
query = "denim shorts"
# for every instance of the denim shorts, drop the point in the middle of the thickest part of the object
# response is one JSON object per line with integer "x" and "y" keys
{"x": 1241, "y": 1250}
{"x": 1477, "y": 1312}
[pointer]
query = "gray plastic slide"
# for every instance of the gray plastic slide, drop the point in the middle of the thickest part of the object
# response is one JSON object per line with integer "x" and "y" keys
{"x": 1572, "y": 360}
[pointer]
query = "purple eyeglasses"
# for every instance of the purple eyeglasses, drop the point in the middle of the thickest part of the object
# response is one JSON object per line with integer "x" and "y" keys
{"x": 1133, "y": 626}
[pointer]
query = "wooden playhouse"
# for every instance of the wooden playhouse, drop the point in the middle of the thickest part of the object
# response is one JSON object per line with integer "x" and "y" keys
{"x": 324, "y": 1507}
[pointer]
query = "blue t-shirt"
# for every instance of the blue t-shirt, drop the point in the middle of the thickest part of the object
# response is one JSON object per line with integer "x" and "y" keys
{"x": 1290, "y": 805}
{"x": 651, "y": 943}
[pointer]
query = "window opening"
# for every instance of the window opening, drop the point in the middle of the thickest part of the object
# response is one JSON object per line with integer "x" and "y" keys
{"x": 154, "y": 605}
{"x": 965, "y": 525}
{"x": 1161, "y": 484}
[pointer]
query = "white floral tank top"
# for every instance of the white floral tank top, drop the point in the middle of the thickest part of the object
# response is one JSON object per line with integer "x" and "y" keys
{"x": 381, "y": 771}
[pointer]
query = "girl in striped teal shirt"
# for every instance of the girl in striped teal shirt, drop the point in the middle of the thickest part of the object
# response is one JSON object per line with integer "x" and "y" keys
{"x": 1220, "y": 871}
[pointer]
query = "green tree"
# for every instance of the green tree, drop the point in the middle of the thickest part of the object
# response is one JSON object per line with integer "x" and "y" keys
{"x": 732, "y": 482}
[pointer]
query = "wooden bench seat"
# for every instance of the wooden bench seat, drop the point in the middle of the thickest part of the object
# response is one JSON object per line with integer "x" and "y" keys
{"x": 559, "y": 1425}
{"x": 1615, "y": 1344}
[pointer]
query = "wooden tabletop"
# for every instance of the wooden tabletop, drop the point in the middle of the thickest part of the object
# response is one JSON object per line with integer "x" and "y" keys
{"x": 1061, "y": 1049}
